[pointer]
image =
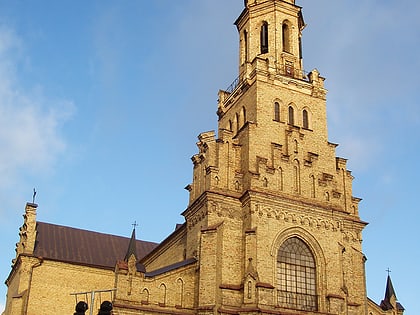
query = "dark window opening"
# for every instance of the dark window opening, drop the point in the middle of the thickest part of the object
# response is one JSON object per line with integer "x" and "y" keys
{"x": 264, "y": 38}
{"x": 276, "y": 111}
{"x": 291, "y": 115}
{"x": 305, "y": 119}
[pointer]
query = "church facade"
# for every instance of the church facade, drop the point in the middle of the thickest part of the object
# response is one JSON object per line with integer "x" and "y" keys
{"x": 272, "y": 226}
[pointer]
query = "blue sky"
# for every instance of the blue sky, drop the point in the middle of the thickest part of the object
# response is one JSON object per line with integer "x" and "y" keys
{"x": 101, "y": 103}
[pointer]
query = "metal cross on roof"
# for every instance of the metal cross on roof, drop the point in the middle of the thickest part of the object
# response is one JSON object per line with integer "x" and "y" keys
{"x": 33, "y": 196}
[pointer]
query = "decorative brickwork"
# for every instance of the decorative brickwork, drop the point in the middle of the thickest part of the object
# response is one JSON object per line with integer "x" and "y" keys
{"x": 272, "y": 226}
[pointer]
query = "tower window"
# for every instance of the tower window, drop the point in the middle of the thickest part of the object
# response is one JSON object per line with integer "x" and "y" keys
{"x": 238, "y": 126}
{"x": 243, "y": 116}
{"x": 276, "y": 111}
{"x": 300, "y": 48}
{"x": 296, "y": 276}
{"x": 305, "y": 119}
{"x": 264, "y": 38}
{"x": 291, "y": 115}
{"x": 245, "y": 46}
{"x": 286, "y": 37}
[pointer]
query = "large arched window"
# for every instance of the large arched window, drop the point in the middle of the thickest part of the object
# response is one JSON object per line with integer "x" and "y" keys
{"x": 296, "y": 276}
{"x": 264, "y": 38}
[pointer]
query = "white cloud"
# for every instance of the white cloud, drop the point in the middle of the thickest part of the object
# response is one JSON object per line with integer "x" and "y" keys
{"x": 30, "y": 122}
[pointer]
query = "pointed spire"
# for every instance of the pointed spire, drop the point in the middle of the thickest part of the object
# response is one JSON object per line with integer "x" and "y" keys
{"x": 132, "y": 250}
{"x": 389, "y": 292}
{"x": 390, "y": 300}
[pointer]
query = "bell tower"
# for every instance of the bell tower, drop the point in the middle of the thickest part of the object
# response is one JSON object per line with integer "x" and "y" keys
{"x": 271, "y": 209}
{"x": 271, "y": 30}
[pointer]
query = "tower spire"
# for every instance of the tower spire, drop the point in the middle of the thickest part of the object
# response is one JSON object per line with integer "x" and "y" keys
{"x": 132, "y": 249}
{"x": 390, "y": 300}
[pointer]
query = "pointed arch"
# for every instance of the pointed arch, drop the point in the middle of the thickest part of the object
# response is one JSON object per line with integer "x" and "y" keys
{"x": 163, "y": 294}
{"x": 296, "y": 275}
{"x": 145, "y": 296}
{"x": 264, "y": 38}
{"x": 318, "y": 257}
{"x": 180, "y": 284}
{"x": 243, "y": 114}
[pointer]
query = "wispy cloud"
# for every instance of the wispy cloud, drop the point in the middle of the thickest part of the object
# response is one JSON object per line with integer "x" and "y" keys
{"x": 30, "y": 121}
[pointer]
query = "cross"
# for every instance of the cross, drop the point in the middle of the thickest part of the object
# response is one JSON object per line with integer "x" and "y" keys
{"x": 134, "y": 224}
{"x": 388, "y": 270}
{"x": 33, "y": 196}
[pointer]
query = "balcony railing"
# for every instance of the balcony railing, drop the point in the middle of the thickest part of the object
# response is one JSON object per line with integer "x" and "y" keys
{"x": 285, "y": 70}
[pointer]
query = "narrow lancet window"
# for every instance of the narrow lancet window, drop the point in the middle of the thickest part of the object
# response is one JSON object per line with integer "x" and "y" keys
{"x": 305, "y": 119}
{"x": 245, "y": 46}
{"x": 291, "y": 115}
{"x": 264, "y": 38}
{"x": 286, "y": 37}
{"x": 276, "y": 111}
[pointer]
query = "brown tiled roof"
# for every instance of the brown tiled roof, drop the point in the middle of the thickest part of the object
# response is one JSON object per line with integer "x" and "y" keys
{"x": 84, "y": 247}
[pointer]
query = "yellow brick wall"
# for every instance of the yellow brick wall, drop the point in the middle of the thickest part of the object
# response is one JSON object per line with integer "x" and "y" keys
{"x": 47, "y": 287}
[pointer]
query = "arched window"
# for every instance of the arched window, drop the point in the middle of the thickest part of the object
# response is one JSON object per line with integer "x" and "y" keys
{"x": 145, "y": 296}
{"x": 243, "y": 116}
{"x": 180, "y": 292}
{"x": 291, "y": 115}
{"x": 286, "y": 37}
{"x": 264, "y": 38}
{"x": 238, "y": 126}
{"x": 305, "y": 119}
{"x": 296, "y": 276}
{"x": 276, "y": 111}
{"x": 162, "y": 289}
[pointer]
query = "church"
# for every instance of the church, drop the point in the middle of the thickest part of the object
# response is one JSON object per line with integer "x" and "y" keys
{"x": 271, "y": 227}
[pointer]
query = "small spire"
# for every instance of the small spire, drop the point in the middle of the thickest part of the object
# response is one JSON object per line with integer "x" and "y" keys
{"x": 390, "y": 300}
{"x": 132, "y": 250}
{"x": 389, "y": 292}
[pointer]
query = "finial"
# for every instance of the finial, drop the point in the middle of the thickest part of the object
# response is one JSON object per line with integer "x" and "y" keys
{"x": 33, "y": 196}
{"x": 134, "y": 225}
{"x": 388, "y": 271}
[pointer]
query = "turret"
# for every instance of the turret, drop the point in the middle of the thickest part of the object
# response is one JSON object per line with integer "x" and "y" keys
{"x": 27, "y": 232}
{"x": 271, "y": 30}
